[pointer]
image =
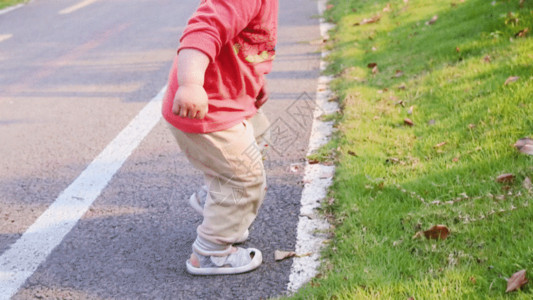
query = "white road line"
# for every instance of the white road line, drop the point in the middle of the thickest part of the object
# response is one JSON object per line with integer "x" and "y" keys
{"x": 11, "y": 8}
{"x": 22, "y": 259}
{"x": 312, "y": 232}
{"x": 75, "y": 7}
{"x": 4, "y": 37}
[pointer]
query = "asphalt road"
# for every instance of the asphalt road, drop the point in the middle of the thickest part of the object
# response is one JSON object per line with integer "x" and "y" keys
{"x": 73, "y": 74}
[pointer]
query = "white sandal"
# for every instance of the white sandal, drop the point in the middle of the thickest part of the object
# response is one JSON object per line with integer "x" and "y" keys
{"x": 244, "y": 260}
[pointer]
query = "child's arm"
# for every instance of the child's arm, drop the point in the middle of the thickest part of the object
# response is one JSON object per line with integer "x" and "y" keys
{"x": 191, "y": 99}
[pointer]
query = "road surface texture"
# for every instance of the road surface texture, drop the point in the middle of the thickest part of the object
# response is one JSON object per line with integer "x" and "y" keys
{"x": 73, "y": 74}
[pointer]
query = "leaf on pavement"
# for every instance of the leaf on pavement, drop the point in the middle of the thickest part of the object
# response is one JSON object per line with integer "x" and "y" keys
{"x": 436, "y": 232}
{"x": 516, "y": 281}
{"x": 525, "y": 146}
{"x": 508, "y": 177}
{"x": 281, "y": 255}
{"x": 511, "y": 79}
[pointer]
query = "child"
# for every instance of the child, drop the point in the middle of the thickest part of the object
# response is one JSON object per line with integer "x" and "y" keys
{"x": 215, "y": 87}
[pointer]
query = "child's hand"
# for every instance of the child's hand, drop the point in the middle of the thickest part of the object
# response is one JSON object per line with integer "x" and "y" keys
{"x": 190, "y": 102}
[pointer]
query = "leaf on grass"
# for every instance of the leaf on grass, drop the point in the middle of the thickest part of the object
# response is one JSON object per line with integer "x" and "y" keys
{"x": 387, "y": 8}
{"x": 457, "y": 49}
{"x": 281, "y": 255}
{"x": 487, "y": 59}
{"x": 375, "y": 70}
{"x": 374, "y": 19}
{"x": 402, "y": 86}
{"x": 525, "y": 146}
{"x": 408, "y": 122}
{"x": 511, "y": 79}
{"x": 516, "y": 281}
{"x": 329, "y": 6}
{"x": 439, "y": 145}
{"x": 508, "y": 177}
{"x": 352, "y": 153}
{"x": 399, "y": 73}
{"x": 436, "y": 232}
{"x": 433, "y": 20}
{"x": 455, "y": 159}
{"x": 372, "y": 65}
{"x": 522, "y": 33}
{"x": 313, "y": 161}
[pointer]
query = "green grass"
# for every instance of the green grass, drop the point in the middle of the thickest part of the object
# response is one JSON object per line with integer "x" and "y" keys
{"x": 6, "y": 3}
{"x": 399, "y": 181}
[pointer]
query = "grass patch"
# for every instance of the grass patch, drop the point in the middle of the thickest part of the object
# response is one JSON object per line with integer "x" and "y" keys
{"x": 394, "y": 180}
{"x": 6, "y": 3}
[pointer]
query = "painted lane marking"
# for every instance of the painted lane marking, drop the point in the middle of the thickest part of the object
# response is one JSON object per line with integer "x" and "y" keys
{"x": 76, "y": 7}
{"x": 11, "y": 8}
{"x": 4, "y": 37}
{"x": 311, "y": 233}
{"x": 21, "y": 260}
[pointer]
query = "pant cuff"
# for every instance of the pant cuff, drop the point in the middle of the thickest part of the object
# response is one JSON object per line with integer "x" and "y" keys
{"x": 208, "y": 248}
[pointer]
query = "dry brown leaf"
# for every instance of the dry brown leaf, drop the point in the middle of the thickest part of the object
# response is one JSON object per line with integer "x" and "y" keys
{"x": 372, "y": 65}
{"x": 439, "y": 145}
{"x": 399, "y": 73}
{"x": 487, "y": 59}
{"x": 511, "y": 79}
{"x": 280, "y": 255}
{"x": 433, "y": 20}
{"x": 436, "y": 232}
{"x": 374, "y": 19}
{"x": 522, "y": 33}
{"x": 408, "y": 122}
{"x": 516, "y": 281}
{"x": 525, "y": 146}
{"x": 350, "y": 152}
{"x": 457, "y": 49}
{"x": 313, "y": 161}
{"x": 508, "y": 177}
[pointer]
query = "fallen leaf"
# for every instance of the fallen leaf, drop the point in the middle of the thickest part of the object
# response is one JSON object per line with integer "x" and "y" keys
{"x": 527, "y": 184}
{"x": 473, "y": 279}
{"x": 387, "y": 8}
{"x": 511, "y": 79}
{"x": 295, "y": 167}
{"x": 522, "y": 33}
{"x": 439, "y": 145}
{"x": 455, "y": 159}
{"x": 436, "y": 232}
{"x": 280, "y": 255}
{"x": 399, "y": 73}
{"x": 374, "y": 19}
{"x": 350, "y": 152}
{"x": 457, "y": 49}
{"x": 401, "y": 86}
{"x": 525, "y": 146}
{"x": 375, "y": 70}
{"x": 433, "y": 20}
{"x": 313, "y": 161}
{"x": 516, "y": 281}
{"x": 371, "y": 65}
{"x": 508, "y": 177}
{"x": 329, "y": 6}
{"x": 408, "y": 121}
{"x": 400, "y": 103}
{"x": 487, "y": 59}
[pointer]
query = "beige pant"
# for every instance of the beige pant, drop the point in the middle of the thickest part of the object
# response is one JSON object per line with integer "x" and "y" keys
{"x": 232, "y": 164}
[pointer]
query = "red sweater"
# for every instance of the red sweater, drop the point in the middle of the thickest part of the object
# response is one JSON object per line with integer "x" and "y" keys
{"x": 239, "y": 37}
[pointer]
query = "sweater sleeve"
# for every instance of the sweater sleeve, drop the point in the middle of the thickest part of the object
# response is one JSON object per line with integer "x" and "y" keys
{"x": 216, "y": 22}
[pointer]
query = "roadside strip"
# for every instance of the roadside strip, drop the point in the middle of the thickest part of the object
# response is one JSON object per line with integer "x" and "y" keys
{"x": 312, "y": 231}
{"x": 76, "y": 7}
{"x": 21, "y": 260}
